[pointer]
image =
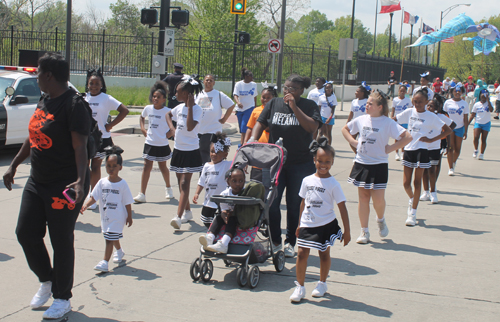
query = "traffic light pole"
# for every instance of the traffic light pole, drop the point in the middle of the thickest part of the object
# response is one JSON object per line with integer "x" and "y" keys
{"x": 234, "y": 49}
{"x": 282, "y": 36}
{"x": 164, "y": 23}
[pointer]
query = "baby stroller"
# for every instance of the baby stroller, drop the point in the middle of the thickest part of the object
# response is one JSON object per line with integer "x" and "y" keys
{"x": 253, "y": 245}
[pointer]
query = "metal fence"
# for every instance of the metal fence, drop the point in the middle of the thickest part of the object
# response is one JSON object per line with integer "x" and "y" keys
{"x": 119, "y": 55}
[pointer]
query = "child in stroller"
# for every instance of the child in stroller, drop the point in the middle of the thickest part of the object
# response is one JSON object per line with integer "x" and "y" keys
{"x": 235, "y": 178}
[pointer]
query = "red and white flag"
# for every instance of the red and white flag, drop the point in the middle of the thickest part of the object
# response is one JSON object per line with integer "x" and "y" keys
{"x": 388, "y": 6}
{"x": 450, "y": 40}
{"x": 410, "y": 19}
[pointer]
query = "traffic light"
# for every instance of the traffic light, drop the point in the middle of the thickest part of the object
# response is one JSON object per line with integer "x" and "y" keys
{"x": 244, "y": 37}
{"x": 149, "y": 16}
{"x": 239, "y": 7}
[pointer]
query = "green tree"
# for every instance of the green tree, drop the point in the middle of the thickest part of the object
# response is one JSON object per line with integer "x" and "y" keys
{"x": 313, "y": 23}
{"x": 125, "y": 19}
{"x": 342, "y": 29}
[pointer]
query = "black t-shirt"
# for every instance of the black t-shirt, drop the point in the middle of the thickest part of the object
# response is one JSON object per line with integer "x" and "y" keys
{"x": 172, "y": 80}
{"x": 52, "y": 154}
{"x": 392, "y": 80}
{"x": 282, "y": 123}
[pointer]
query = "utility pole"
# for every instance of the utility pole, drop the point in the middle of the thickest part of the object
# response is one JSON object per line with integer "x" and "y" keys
{"x": 235, "y": 47}
{"x": 68, "y": 32}
{"x": 282, "y": 36}
{"x": 390, "y": 34}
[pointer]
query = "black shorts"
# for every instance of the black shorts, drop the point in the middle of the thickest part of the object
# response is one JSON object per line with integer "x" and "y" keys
{"x": 319, "y": 238}
{"x": 100, "y": 154}
{"x": 156, "y": 153}
{"x": 417, "y": 159}
{"x": 186, "y": 161}
{"x": 497, "y": 105}
{"x": 207, "y": 215}
{"x": 369, "y": 176}
{"x": 434, "y": 156}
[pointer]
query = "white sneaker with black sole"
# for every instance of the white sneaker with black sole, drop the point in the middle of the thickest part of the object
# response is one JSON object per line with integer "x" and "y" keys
{"x": 42, "y": 296}
{"x": 57, "y": 310}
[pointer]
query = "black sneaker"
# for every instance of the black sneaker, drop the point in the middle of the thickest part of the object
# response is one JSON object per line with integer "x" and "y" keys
{"x": 496, "y": 117}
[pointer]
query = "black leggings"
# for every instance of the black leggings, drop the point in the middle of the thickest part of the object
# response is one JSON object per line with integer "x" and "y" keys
{"x": 43, "y": 205}
{"x": 219, "y": 222}
{"x": 205, "y": 146}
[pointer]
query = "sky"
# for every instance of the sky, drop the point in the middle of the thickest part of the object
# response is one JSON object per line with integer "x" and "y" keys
{"x": 427, "y": 10}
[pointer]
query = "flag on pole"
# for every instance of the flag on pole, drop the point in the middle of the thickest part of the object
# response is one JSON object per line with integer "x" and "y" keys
{"x": 410, "y": 19}
{"x": 426, "y": 29}
{"x": 450, "y": 40}
{"x": 388, "y": 6}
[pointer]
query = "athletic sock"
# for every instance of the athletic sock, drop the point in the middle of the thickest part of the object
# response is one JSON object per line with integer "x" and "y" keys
{"x": 364, "y": 229}
{"x": 225, "y": 240}
{"x": 381, "y": 220}
{"x": 414, "y": 211}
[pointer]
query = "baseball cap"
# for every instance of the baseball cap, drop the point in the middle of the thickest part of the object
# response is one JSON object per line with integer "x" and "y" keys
{"x": 470, "y": 77}
{"x": 437, "y": 78}
{"x": 177, "y": 65}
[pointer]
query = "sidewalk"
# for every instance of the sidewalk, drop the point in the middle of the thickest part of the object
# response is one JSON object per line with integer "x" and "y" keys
{"x": 443, "y": 269}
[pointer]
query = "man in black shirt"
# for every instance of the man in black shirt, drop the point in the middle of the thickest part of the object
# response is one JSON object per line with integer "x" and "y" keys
{"x": 172, "y": 80}
{"x": 392, "y": 83}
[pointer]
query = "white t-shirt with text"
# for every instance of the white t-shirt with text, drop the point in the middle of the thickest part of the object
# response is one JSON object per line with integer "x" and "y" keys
{"x": 229, "y": 193}
{"x": 399, "y": 105}
{"x": 436, "y": 145}
{"x": 326, "y": 107}
{"x": 314, "y": 94}
{"x": 157, "y": 125}
{"x": 213, "y": 180}
{"x": 358, "y": 107}
{"x": 483, "y": 114}
{"x": 246, "y": 93}
{"x": 101, "y": 105}
{"x": 320, "y": 196}
{"x": 186, "y": 140}
{"x": 212, "y": 104}
{"x": 422, "y": 124}
{"x": 456, "y": 111}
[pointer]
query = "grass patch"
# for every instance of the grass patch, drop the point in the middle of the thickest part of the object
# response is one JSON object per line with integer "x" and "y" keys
{"x": 129, "y": 96}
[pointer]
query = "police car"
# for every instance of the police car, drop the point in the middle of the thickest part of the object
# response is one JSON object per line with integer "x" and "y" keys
{"x": 19, "y": 95}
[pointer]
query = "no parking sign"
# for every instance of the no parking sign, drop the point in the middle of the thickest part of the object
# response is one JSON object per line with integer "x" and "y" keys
{"x": 274, "y": 46}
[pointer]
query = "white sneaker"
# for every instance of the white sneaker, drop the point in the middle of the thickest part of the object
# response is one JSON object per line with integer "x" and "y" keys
{"x": 320, "y": 290}
{"x": 206, "y": 240}
{"x": 187, "y": 216}
{"x": 140, "y": 198}
{"x": 411, "y": 220}
{"x": 474, "y": 154}
{"x": 426, "y": 196}
{"x": 410, "y": 201}
{"x": 454, "y": 166}
{"x": 102, "y": 266}
{"x": 480, "y": 157}
{"x": 169, "y": 193}
{"x": 42, "y": 296}
{"x": 364, "y": 238}
{"x": 176, "y": 222}
{"x": 218, "y": 247}
{"x": 57, "y": 310}
{"x": 383, "y": 230}
{"x": 289, "y": 251}
{"x": 434, "y": 197}
{"x": 298, "y": 294}
{"x": 397, "y": 157}
{"x": 118, "y": 256}
{"x": 277, "y": 248}
{"x": 451, "y": 172}
{"x": 92, "y": 207}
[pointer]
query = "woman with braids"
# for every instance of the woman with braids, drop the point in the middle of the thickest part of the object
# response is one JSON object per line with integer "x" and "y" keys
{"x": 101, "y": 104}
{"x": 425, "y": 127}
{"x": 156, "y": 147}
{"x": 57, "y": 145}
{"x": 186, "y": 158}
{"x": 295, "y": 120}
{"x": 245, "y": 96}
{"x": 370, "y": 171}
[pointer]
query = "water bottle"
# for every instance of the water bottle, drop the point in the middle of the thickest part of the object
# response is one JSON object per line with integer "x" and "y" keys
{"x": 280, "y": 142}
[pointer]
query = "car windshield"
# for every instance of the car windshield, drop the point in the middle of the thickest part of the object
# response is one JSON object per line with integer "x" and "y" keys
{"x": 4, "y": 83}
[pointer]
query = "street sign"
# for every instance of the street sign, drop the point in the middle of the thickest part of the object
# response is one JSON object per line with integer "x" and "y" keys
{"x": 168, "y": 48}
{"x": 274, "y": 46}
{"x": 346, "y": 48}
{"x": 158, "y": 65}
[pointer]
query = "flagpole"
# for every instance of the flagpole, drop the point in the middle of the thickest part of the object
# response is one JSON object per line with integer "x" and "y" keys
{"x": 375, "y": 31}
{"x": 402, "y": 64}
{"x": 411, "y": 39}
{"x": 419, "y": 35}
{"x": 401, "y": 32}
{"x": 390, "y": 34}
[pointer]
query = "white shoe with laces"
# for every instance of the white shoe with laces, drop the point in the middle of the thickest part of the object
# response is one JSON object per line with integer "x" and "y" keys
{"x": 57, "y": 310}
{"x": 118, "y": 256}
{"x": 425, "y": 196}
{"x": 218, "y": 247}
{"x": 42, "y": 296}
{"x": 320, "y": 289}
{"x": 434, "y": 198}
{"x": 140, "y": 198}
{"x": 187, "y": 216}
{"x": 364, "y": 238}
{"x": 411, "y": 220}
{"x": 169, "y": 193}
{"x": 298, "y": 294}
{"x": 397, "y": 157}
{"x": 102, "y": 266}
{"x": 480, "y": 157}
{"x": 206, "y": 240}
{"x": 383, "y": 230}
{"x": 176, "y": 222}
{"x": 289, "y": 251}
{"x": 474, "y": 154}
{"x": 451, "y": 172}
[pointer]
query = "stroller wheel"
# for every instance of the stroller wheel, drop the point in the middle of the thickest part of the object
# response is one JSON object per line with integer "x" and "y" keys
{"x": 253, "y": 276}
{"x": 194, "y": 270}
{"x": 206, "y": 270}
{"x": 227, "y": 262}
{"x": 241, "y": 275}
{"x": 279, "y": 261}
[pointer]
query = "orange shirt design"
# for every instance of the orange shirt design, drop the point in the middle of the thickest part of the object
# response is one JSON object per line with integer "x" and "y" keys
{"x": 38, "y": 139}
{"x": 264, "y": 138}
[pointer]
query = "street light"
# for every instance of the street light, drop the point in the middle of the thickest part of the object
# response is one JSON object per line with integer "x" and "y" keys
{"x": 443, "y": 14}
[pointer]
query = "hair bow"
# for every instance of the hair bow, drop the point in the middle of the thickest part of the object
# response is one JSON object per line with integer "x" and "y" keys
{"x": 366, "y": 87}
{"x": 219, "y": 144}
{"x": 113, "y": 149}
{"x": 315, "y": 145}
{"x": 458, "y": 87}
{"x": 384, "y": 95}
{"x": 265, "y": 84}
{"x": 484, "y": 91}
{"x": 189, "y": 79}
{"x": 424, "y": 75}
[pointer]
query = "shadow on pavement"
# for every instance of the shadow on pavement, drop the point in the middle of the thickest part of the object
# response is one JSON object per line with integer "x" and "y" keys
{"x": 337, "y": 302}
{"x": 80, "y": 317}
{"x": 457, "y": 204}
{"x": 340, "y": 265}
{"x": 421, "y": 223}
{"x": 391, "y": 245}
{"x": 5, "y": 257}
{"x": 476, "y": 177}
{"x": 88, "y": 228}
{"x": 462, "y": 194}
{"x": 138, "y": 273}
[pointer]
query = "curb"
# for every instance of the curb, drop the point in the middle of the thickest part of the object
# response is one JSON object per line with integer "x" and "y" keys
{"x": 227, "y": 128}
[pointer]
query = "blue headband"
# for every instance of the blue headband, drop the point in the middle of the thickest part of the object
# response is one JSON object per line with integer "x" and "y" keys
{"x": 458, "y": 87}
{"x": 368, "y": 88}
{"x": 484, "y": 91}
{"x": 424, "y": 74}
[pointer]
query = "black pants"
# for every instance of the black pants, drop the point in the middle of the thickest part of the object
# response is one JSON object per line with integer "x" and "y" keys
{"x": 219, "y": 222}
{"x": 205, "y": 146}
{"x": 43, "y": 205}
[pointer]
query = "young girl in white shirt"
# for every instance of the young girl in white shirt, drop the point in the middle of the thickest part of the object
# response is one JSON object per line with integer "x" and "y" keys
{"x": 245, "y": 96}
{"x": 318, "y": 226}
{"x": 101, "y": 104}
{"x": 327, "y": 103}
{"x": 115, "y": 207}
{"x": 399, "y": 104}
{"x": 186, "y": 158}
{"x": 458, "y": 111}
{"x": 482, "y": 112}
{"x": 156, "y": 147}
{"x": 425, "y": 127}
{"x": 212, "y": 177}
{"x": 370, "y": 172}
